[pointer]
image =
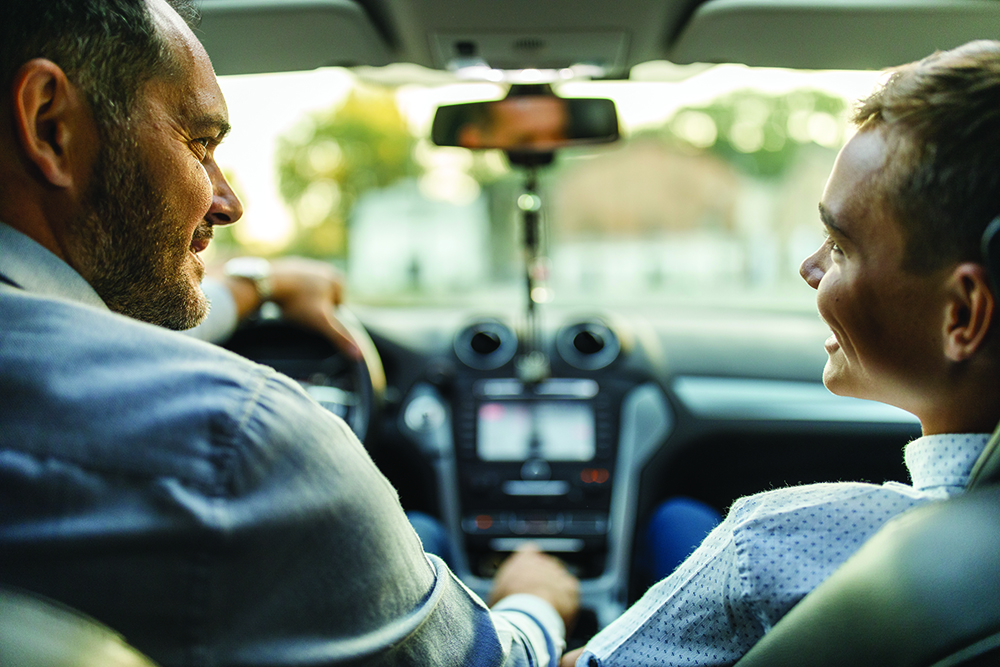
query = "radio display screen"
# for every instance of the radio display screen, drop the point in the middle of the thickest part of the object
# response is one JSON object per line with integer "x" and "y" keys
{"x": 549, "y": 430}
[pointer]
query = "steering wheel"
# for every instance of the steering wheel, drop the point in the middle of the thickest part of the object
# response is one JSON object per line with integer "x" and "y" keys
{"x": 351, "y": 389}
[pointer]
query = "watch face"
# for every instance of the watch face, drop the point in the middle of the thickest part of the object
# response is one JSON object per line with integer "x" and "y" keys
{"x": 253, "y": 268}
{"x": 256, "y": 269}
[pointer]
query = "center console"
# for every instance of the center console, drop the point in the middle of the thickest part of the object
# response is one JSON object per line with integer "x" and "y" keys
{"x": 554, "y": 462}
{"x": 535, "y": 462}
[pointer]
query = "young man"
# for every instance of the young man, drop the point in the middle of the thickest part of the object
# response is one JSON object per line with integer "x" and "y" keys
{"x": 199, "y": 504}
{"x": 900, "y": 282}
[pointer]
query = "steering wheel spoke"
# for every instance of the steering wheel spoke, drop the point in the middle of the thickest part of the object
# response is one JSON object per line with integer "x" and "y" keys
{"x": 351, "y": 389}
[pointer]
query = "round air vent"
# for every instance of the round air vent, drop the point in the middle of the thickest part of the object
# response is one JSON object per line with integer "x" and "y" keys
{"x": 588, "y": 345}
{"x": 486, "y": 345}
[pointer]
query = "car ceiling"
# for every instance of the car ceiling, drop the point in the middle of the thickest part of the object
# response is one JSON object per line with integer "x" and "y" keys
{"x": 249, "y": 36}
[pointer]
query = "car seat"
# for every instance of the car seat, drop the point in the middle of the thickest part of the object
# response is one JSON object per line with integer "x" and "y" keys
{"x": 37, "y": 632}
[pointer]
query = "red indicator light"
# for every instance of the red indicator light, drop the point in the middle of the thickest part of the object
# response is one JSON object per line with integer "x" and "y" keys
{"x": 484, "y": 521}
{"x": 594, "y": 475}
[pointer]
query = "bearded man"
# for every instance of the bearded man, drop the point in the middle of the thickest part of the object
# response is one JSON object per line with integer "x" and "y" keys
{"x": 203, "y": 506}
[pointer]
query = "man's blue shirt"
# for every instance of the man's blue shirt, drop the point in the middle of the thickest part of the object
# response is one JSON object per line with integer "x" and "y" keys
{"x": 204, "y": 506}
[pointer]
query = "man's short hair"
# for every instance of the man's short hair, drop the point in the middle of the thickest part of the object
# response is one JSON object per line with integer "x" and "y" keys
{"x": 109, "y": 48}
{"x": 942, "y": 177}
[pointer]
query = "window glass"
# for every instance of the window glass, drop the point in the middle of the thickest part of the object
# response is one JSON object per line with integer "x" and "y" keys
{"x": 709, "y": 199}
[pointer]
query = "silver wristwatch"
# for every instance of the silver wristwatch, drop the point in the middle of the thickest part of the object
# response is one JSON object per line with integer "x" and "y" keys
{"x": 255, "y": 269}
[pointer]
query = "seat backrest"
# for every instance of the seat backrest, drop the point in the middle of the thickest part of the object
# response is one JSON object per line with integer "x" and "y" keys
{"x": 925, "y": 590}
{"x": 35, "y": 632}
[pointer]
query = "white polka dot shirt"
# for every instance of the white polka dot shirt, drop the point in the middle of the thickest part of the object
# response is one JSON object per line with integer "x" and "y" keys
{"x": 771, "y": 550}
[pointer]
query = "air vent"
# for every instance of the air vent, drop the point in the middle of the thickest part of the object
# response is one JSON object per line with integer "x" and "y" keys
{"x": 486, "y": 345}
{"x": 588, "y": 345}
{"x": 529, "y": 44}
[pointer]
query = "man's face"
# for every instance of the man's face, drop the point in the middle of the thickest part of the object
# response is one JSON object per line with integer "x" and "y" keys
{"x": 535, "y": 122}
{"x": 156, "y": 193}
{"x": 887, "y": 323}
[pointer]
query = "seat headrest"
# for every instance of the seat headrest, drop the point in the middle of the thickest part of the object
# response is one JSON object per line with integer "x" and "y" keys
{"x": 987, "y": 468}
{"x": 990, "y": 247}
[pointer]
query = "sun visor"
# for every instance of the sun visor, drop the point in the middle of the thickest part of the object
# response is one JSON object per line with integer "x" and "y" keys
{"x": 831, "y": 34}
{"x": 251, "y": 36}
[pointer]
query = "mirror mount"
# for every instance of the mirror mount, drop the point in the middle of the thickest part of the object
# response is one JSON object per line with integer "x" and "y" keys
{"x": 530, "y": 160}
{"x": 532, "y": 364}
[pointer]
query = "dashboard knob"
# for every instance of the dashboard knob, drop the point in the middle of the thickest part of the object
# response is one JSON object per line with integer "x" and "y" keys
{"x": 424, "y": 414}
{"x": 535, "y": 469}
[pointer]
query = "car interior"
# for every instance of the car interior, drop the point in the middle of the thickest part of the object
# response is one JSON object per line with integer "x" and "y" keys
{"x": 586, "y": 355}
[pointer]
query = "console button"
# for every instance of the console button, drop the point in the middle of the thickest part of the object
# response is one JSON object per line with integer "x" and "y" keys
{"x": 537, "y": 524}
{"x": 535, "y": 469}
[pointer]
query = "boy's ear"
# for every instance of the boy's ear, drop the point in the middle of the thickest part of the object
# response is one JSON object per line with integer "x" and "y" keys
{"x": 45, "y": 109}
{"x": 969, "y": 313}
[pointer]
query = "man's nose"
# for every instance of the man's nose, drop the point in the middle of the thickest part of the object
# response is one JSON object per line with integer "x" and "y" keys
{"x": 226, "y": 205}
{"x": 812, "y": 269}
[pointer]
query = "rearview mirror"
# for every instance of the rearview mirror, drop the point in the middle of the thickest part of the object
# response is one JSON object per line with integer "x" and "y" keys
{"x": 526, "y": 123}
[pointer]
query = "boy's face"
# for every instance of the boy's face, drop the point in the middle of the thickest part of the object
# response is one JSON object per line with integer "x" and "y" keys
{"x": 887, "y": 323}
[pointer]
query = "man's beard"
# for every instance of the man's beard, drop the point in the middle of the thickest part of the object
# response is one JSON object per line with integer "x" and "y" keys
{"x": 131, "y": 249}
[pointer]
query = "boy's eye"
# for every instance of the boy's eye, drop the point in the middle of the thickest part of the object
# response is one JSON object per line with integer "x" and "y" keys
{"x": 832, "y": 245}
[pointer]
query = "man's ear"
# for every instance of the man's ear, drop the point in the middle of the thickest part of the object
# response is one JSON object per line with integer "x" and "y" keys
{"x": 44, "y": 107}
{"x": 969, "y": 311}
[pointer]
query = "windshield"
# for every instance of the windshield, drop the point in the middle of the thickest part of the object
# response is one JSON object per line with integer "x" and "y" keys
{"x": 708, "y": 200}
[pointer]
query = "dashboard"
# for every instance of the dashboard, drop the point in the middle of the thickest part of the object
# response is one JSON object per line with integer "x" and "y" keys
{"x": 571, "y": 444}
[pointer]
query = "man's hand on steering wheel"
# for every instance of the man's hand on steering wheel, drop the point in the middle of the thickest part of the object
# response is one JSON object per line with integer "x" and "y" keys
{"x": 307, "y": 292}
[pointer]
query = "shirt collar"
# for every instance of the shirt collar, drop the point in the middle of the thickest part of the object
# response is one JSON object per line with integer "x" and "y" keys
{"x": 944, "y": 460}
{"x": 29, "y": 266}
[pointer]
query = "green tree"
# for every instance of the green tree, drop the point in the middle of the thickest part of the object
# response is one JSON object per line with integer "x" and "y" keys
{"x": 332, "y": 157}
{"x": 760, "y": 133}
